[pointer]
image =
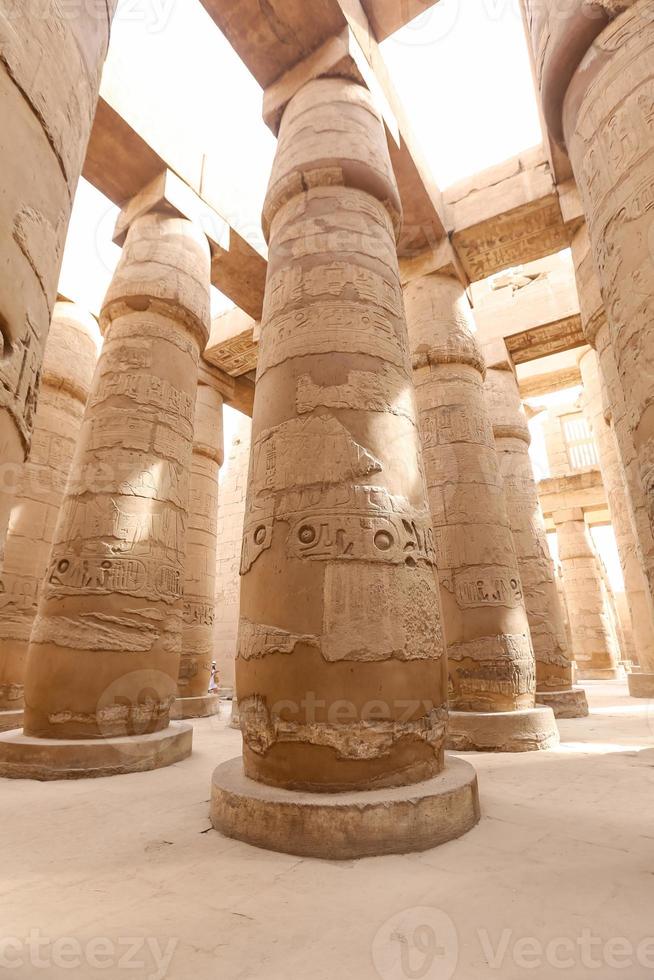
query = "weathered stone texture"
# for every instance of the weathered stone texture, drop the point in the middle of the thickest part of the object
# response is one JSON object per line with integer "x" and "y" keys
{"x": 50, "y": 65}
{"x": 201, "y": 545}
{"x": 69, "y": 362}
{"x": 491, "y": 660}
{"x": 104, "y": 656}
{"x": 594, "y": 645}
{"x": 512, "y": 440}
{"x": 340, "y": 669}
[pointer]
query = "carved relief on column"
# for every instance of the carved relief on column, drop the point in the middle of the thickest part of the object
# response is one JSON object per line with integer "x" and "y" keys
{"x": 490, "y": 655}
{"x": 614, "y": 484}
{"x": 595, "y": 649}
{"x": 609, "y": 126}
{"x": 194, "y": 699}
{"x": 546, "y": 623}
{"x": 339, "y": 598}
{"x": 104, "y": 656}
{"x": 70, "y": 356}
{"x": 50, "y": 69}
{"x": 606, "y": 403}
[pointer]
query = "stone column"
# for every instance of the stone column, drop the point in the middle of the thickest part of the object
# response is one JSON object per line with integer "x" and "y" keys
{"x": 104, "y": 655}
{"x": 595, "y": 651}
{"x": 546, "y": 623}
{"x": 193, "y": 699}
{"x": 627, "y": 499}
{"x": 340, "y": 670}
{"x": 50, "y": 70}
{"x": 598, "y": 97}
{"x": 619, "y": 505}
{"x": 70, "y": 356}
{"x": 492, "y": 679}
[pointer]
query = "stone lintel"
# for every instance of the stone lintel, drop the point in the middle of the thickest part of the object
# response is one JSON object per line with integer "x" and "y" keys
{"x": 233, "y": 344}
{"x": 388, "y": 16}
{"x": 441, "y": 259}
{"x": 497, "y": 355}
{"x": 544, "y": 384}
{"x": 168, "y": 192}
{"x": 551, "y": 338}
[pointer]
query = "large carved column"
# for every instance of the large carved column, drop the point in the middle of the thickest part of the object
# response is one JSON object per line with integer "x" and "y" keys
{"x": 104, "y": 656}
{"x": 70, "y": 356}
{"x": 598, "y": 96}
{"x": 546, "y": 623}
{"x": 619, "y": 505}
{"x": 341, "y": 668}
{"x": 620, "y": 468}
{"x": 492, "y": 679}
{"x": 594, "y": 646}
{"x": 50, "y": 66}
{"x": 194, "y": 700}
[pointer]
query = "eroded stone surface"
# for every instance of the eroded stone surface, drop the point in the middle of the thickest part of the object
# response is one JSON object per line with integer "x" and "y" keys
{"x": 340, "y": 664}
{"x": 201, "y": 546}
{"x": 609, "y": 128}
{"x": 49, "y": 79}
{"x": 491, "y": 661}
{"x": 104, "y": 656}
{"x": 512, "y": 439}
{"x": 594, "y": 646}
{"x": 69, "y": 362}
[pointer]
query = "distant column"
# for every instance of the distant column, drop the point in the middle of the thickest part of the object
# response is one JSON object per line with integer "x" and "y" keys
{"x": 50, "y": 69}
{"x": 194, "y": 700}
{"x": 492, "y": 677}
{"x": 512, "y": 439}
{"x": 104, "y": 656}
{"x": 595, "y": 650}
{"x": 68, "y": 365}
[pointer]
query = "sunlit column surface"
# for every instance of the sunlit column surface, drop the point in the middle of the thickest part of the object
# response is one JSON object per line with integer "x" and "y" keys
{"x": 104, "y": 657}
{"x": 50, "y": 65}
{"x": 492, "y": 676}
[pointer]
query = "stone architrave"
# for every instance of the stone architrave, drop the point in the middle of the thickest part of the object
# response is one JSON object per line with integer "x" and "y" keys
{"x": 50, "y": 66}
{"x": 597, "y": 90}
{"x": 193, "y": 698}
{"x": 594, "y": 645}
{"x": 104, "y": 656}
{"x": 492, "y": 676}
{"x": 340, "y": 673}
{"x": 68, "y": 365}
{"x": 546, "y": 623}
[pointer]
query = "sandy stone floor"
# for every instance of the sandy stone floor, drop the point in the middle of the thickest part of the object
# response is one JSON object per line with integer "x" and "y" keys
{"x": 122, "y": 877}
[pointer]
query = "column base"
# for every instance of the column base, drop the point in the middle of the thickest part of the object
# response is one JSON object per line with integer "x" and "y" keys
{"x": 235, "y": 721}
{"x": 528, "y": 730}
{"x": 25, "y": 757}
{"x": 342, "y": 826}
{"x": 600, "y": 673}
{"x": 10, "y": 720}
{"x": 202, "y": 707}
{"x": 571, "y": 703}
{"x": 641, "y": 685}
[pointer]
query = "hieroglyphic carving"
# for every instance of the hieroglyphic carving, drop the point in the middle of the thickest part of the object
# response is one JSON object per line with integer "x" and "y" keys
{"x": 116, "y": 573}
{"x": 482, "y": 597}
{"x": 609, "y": 124}
{"x": 337, "y": 550}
